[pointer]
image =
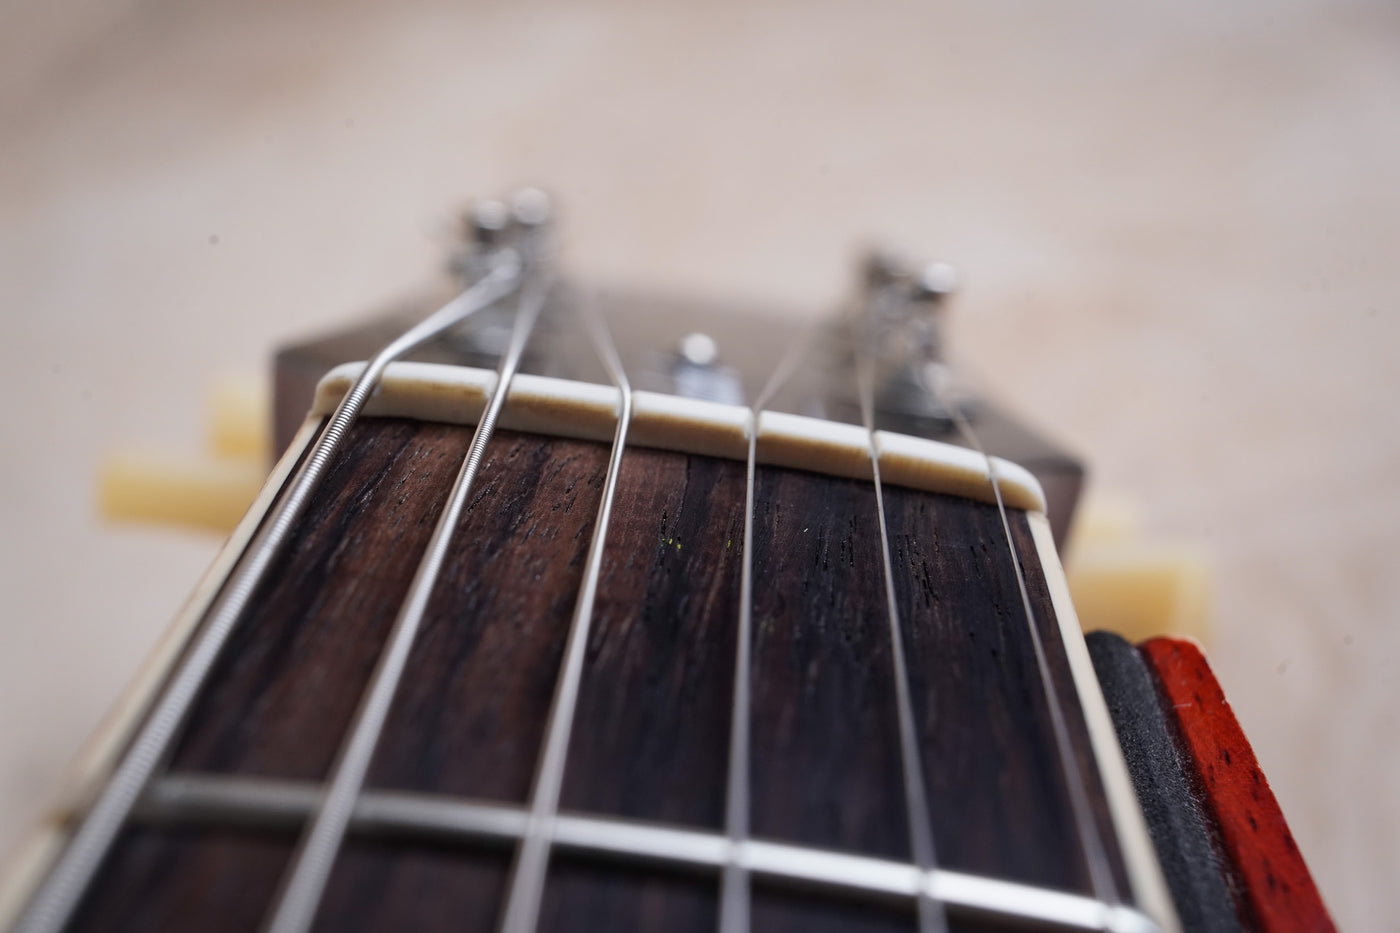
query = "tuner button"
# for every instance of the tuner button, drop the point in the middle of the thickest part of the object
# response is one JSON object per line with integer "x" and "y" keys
{"x": 487, "y": 222}
{"x": 531, "y": 207}
{"x": 698, "y": 349}
{"x": 934, "y": 282}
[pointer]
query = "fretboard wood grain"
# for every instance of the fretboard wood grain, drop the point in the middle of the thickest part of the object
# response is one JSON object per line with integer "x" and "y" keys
{"x": 650, "y": 738}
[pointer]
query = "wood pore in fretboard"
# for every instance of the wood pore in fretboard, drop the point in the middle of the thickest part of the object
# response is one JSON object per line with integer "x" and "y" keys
{"x": 450, "y": 783}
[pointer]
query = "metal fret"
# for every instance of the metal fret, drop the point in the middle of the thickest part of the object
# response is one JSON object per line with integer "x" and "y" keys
{"x": 296, "y": 906}
{"x": 931, "y": 914}
{"x": 1104, "y": 885}
{"x": 55, "y": 901}
{"x": 528, "y": 876}
{"x": 264, "y": 804}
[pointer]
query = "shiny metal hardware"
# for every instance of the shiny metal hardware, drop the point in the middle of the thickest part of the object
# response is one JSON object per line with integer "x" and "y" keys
{"x": 262, "y": 803}
{"x": 487, "y": 222}
{"x": 698, "y": 349}
{"x": 696, "y": 371}
{"x": 899, "y": 315}
{"x": 531, "y": 208}
{"x": 491, "y": 224}
{"x": 524, "y": 222}
{"x": 899, "y": 318}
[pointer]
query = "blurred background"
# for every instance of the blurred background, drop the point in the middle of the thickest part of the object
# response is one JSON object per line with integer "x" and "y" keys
{"x": 1179, "y": 224}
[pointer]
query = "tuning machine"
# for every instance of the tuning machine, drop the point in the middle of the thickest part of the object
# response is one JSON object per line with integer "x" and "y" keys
{"x": 516, "y": 231}
{"x": 492, "y": 230}
{"x": 900, "y": 312}
{"x": 898, "y": 322}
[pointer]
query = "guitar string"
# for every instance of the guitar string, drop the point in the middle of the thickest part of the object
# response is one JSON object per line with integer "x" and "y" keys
{"x": 734, "y": 885}
{"x": 532, "y": 860}
{"x": 932, "y": 916}
{"x": 1102, "y": 881}
{"x": 54, "y": 902}
{"x": 305, "y": 884}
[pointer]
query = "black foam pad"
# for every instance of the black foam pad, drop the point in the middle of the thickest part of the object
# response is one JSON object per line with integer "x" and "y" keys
{"x": 1179, "y": 828}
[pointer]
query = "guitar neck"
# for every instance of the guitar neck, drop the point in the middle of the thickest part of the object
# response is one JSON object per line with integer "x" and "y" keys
{"x": 455, "y": 674}
{"x": 997, "y": 797}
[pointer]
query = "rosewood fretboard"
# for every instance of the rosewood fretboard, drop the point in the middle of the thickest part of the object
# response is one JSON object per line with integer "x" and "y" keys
{"x": 432, "y": 845}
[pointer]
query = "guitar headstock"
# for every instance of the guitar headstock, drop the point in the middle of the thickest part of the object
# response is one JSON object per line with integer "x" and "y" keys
{"x": 896, "y": 317}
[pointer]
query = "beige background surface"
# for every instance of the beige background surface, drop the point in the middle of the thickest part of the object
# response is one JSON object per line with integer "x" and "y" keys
{"x": 1180, "y": 225}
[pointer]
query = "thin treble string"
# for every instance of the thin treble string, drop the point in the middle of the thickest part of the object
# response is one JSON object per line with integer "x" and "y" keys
{"x": 527, "y": 881}
{"x": 734, "y": 896}
{"x": 301, "y": 894}
{"x": 1101, "y": 878}
{"x": 55, "y": 901}
{"x": 932, "y": 915}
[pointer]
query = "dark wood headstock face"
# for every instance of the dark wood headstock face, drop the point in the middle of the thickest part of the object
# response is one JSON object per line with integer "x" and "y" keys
{"x": 650, "y": 330}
